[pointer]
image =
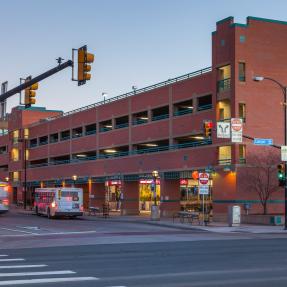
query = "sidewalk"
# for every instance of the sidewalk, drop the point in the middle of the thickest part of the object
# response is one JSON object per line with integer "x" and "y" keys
{"x": 217, "y": 227}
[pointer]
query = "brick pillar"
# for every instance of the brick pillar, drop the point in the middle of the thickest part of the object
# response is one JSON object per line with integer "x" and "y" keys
{"x": 130, "y": 203}
{"x": 170, "y": 197}
{"x": 97, "y": 194}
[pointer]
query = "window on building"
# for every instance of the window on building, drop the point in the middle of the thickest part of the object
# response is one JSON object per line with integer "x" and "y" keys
{"x": 106, "y": 126}
{"x": 242, "y": 153}
{"x": 33, "y": 142}
{"x": 223, "y": 78}
{"x": 140, "y": 118}
{"x": 224, "y": 110}
{"x": 54, "y": 138}
{"x": 242, "y": 38}
{"x": 183, "y": 108}
{"x": 65, "y": 135}
{"x": 204, "y": 103}
{"x": 15, "y": 176}
{"x": 43, "y": 140}
{"x": 15, "y": 155}
{"x": 242, "y": 111}
{"x": 3, "y": 149}
{"x": 224, "y": 155}
{"x": 241, "y": 71}
{"x": 160, "y": 113}
{"x": 77, "y": 132}
{"x": 15, "y": 136}
{"x": 91, "y": 129}
{"x": 122, "y": 122}
{"x": 26, "y": 133}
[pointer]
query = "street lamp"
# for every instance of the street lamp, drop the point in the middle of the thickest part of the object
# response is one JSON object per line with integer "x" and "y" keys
{"x": 6, "y": 178}
{"x": 284, "y": 91}
{"x": 74, "y": 177}
{"x": 155, "y": 176}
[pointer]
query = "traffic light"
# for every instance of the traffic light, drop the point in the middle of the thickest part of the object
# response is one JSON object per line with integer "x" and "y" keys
{"x": 84, "y": 59}
{"x": 281, "y": 174}
{"x": 208, "y": 128}
{"x": 30, "y": 94}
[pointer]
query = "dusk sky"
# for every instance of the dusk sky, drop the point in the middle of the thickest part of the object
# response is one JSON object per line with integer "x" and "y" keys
{"x": 135, "y": 42}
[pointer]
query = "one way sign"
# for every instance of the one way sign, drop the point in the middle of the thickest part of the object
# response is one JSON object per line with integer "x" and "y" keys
{"x": 223, "y": 130}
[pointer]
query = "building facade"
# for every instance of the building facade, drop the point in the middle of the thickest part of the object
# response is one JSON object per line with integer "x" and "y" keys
{"x": 112, "y": 147}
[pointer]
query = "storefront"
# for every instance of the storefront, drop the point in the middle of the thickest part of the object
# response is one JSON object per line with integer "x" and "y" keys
{"x": 146, "y": 194}
{"x": 190, "y": 197}
{"x": 113, "y": 194}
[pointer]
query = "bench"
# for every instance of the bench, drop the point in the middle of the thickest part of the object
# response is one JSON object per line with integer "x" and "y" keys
{"x": 190, "y": 216}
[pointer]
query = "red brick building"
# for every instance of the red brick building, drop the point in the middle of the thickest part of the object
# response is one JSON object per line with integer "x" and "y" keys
{"x": 113, "y": 146}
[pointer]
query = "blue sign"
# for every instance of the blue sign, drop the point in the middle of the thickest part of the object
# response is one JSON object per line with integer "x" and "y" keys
{"x": 263, "y": 141}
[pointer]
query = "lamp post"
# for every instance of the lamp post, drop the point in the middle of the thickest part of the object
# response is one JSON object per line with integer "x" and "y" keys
{"x": 284, "y": 91}
{"x": 74, "y": 177}
{"x": 155, "y": 176}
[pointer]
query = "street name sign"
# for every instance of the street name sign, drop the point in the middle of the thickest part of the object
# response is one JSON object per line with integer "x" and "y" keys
{"x": 284, "y": 153}
{"x": 236, "y": 130}
{"x": 223, "y": 130}
{"x": 263, "y": 141}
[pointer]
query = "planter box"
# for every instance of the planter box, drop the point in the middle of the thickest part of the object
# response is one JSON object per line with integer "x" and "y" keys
{"x": 262, "y": 219}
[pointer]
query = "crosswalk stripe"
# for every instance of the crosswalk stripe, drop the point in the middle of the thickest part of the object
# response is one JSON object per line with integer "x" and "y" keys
{"x": 46, "y": 280}
{"x": 22, "y": 266}
{"x": 63, "y": 272}
{"x": 3, "y": 255}
{"x": 12, "y": 259}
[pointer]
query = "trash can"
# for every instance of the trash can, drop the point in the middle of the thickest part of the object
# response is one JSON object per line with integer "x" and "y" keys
{"x": 155, "y": 213}
{"x": 234, "y": 215}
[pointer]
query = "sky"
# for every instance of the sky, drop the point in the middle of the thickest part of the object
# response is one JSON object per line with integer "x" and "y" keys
{"x": 135, "y": 42}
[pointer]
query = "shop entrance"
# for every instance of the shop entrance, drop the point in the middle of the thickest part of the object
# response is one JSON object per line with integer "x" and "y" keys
{"x": 191, "y": 200}
{"x": 113, "y": 194}
{"x": 146, "y": 195}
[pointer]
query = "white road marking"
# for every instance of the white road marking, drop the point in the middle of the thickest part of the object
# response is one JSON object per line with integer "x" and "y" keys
{"x": 3, "y": 255}
{"x": 12, "y": 259}
{"x": 48, "y": 233}
{"x": 17, "y": 230}
{"x": 46, "y": 280}
{"x": 36, "y": 273}
{"x": 22, "y": 266}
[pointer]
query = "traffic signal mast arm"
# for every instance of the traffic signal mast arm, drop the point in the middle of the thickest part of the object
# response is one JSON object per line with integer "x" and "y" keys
{"x": 35, "y": 80}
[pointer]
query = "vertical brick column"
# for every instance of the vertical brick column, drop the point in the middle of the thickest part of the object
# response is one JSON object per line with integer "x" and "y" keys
{"x": 97, "y": 194}
{"x": 130, "y": 203}
{"x": 170, "y": 197}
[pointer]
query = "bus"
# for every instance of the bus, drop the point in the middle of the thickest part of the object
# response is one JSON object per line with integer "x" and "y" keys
{"x": 65, "y": 201}
{"x": 4, "y": 200}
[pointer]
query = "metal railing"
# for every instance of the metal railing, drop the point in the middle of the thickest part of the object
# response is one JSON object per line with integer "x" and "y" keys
{"x": 204, "y": 107}
{"x": 125, "y": 153}
{"x": 227, "y": 161}
{"x": 104, "y": 129}
{"x": 223, "y": 85}
{"x": 92, "y": 132}
{"x": 121, "y": 126}
{"x": 160, "y": 117}
{"x": 182, "y": 112}
{"x": 136, "y": 92}
{"x": 139, "y": 122}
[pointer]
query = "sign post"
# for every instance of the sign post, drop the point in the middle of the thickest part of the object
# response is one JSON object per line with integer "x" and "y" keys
{"x": 203, "y": 185}
{"x": 236, "y": 130}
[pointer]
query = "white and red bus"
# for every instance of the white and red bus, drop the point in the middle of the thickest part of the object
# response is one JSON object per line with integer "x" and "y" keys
{"x": 65, "y": 201}
{"x": 4, "y": 199}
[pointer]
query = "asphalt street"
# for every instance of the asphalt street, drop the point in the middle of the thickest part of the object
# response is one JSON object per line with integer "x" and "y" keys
{"x": 35, "y": 251}
{"x": 199, "y": 263}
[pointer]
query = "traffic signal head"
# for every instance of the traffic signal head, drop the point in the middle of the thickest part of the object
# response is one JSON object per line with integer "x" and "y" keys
{"x": 281, "y": 174}
{"x": 84, "y": 67}
{"x": 208, "y": 128}
{"x": 30, "y": 94}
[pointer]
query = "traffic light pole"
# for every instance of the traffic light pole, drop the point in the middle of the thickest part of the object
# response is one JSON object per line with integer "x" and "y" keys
{"x": 35, "y": 80}
{"x": 285, "y": 163}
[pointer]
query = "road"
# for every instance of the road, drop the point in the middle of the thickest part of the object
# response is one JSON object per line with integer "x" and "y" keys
{"x": 35, "y": 251}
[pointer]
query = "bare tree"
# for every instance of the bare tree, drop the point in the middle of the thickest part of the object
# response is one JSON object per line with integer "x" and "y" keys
{"x": 260, "y": 176}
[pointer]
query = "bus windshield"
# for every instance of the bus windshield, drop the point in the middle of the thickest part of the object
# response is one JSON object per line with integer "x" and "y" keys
{"x": 71, "y": 194}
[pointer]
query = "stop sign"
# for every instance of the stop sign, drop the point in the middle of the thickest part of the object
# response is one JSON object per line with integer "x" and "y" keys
{"x": 203, "y": 178}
